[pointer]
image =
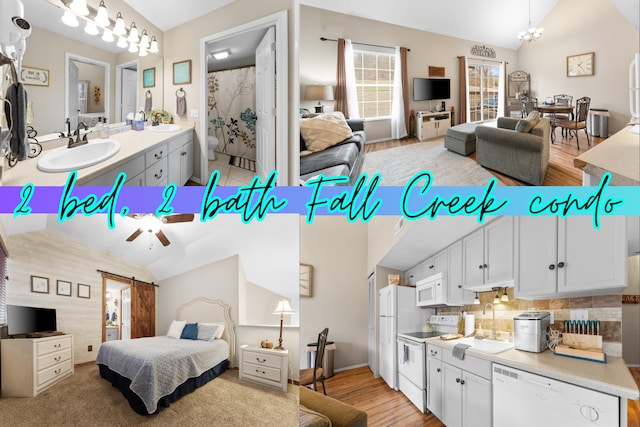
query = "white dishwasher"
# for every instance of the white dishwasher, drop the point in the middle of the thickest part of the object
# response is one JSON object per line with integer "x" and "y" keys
{"x": 522, "y": 399}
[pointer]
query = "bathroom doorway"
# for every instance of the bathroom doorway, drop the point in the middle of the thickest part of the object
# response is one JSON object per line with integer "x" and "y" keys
{"x": 92, "y": 76}
{"x": 126, "y": 90}
{"x": 116, "y": 316}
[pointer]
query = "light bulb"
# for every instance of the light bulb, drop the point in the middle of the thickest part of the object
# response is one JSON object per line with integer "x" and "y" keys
{"x": 122, "y": 42}
{"x": 133, "y": 34}
{"x": 80, "y": 7}
{"x": 119, "y": 28}
{"x": 102, "y": 17}
{"x": 91, "y": 29}
{"x": 133, "y": 48}
{"x": 154, "y": 45}
{"x": 144, "y": 40}
{"x": 70, "y": 19}
{"x": 107, "y": 36}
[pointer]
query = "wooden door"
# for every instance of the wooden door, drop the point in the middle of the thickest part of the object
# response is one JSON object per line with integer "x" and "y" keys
{"x": 143, "y": 310}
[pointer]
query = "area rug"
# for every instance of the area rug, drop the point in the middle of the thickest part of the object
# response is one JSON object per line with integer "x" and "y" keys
{"x": 243, "y": 162}
{"x": 398, "y": 165}
{"x": 86, "y": 399}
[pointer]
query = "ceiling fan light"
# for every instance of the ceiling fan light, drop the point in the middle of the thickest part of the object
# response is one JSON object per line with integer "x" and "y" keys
{"x": 119, "y": 28}
{"x": 70, "y": 19}
{"x": 80, "y": 7}
{"x": 107, "y": 36}
{"x": 91, "y": 29}
{"x": 122, "y": 43}
{"x": 102, "y": 17}
{"x": 154, "y": 45}
{"x": 150, "y": 223}
{"x": 133, "y": 34}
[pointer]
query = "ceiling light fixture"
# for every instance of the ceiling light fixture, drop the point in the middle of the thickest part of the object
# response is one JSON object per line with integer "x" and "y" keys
{"x": 70, "y": 19}
{"x": 532, "y": 33}
{"x": 102, "y": 17}
{"x": 119, "y": 28}
{"x": 221, "y": 54}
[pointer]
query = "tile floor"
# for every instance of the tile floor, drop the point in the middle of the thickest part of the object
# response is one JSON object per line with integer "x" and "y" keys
{"x": 230, "y": 175}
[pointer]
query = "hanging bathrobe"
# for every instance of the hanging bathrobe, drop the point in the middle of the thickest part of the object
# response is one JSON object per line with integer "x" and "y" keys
{"x": 16, "y": 117}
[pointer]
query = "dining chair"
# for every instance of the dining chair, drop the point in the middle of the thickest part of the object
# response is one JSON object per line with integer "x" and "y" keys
{"x": 311, "y": 376}
{"x": 579, "y": 122}
{"x": 528, "y": 105}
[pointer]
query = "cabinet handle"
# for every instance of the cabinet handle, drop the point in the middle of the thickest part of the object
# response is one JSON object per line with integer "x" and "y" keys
{"x": 260, "y": 372}
{"x": 261, "y": 360}
{"x": 484, "y": 266}
{"x": 433, "y": 353}
{"x": 461, "y": 382}
{"x": 551, "y": 266}
{"x": 57, "y": 371}
{"x": 480, "y": 266}
{"x": 459, "y": 286}
{"x": 457, "y": 380}
{"x": 158, "y": 155}
{"x": 57, "y": 359}
{"x": 184, "y": 153}
{"x": 560, "y": 264}
{"x": 57, "y": 345}
{"x": 438, "y": 369}
{"x": 431, "y": 266}
{"x": 438, "y": 284}
{"x": 158, "y": 176}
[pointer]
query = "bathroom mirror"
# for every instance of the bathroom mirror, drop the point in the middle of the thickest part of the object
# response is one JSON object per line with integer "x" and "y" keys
{"x": 49, "y": 47}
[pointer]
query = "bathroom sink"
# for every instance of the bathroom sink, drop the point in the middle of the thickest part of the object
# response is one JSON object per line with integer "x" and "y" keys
{"x": 65, "y": 159}
{"x": 486, "y": 345}
{"x": 164, "y": 127}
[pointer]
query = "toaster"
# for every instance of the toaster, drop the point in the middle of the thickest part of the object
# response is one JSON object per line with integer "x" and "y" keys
{"x": 531, "y": 331}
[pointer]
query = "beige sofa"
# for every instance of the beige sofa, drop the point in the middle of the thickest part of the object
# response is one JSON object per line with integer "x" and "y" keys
{"x": 338, "y": 413}
{"x": 521, "y": 155}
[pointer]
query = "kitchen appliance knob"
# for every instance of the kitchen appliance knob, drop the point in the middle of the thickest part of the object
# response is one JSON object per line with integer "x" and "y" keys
{"x": 560, "y": 264}
{"x": 551, "y": 266}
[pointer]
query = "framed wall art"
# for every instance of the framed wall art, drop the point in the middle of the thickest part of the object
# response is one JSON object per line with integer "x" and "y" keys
{"x": 149, "y": 77}
{"x": 306, "y": 271}
{"x": 182, "y": 72}
{"x": 35, "y": 76}
{"x": 39, "y": 284}
{"x": 63, "y": 288}
{"x": 84, "y": 291}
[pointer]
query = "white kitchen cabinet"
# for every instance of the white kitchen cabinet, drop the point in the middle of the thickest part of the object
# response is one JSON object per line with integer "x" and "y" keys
{"x": 434, "y": 386}
{"x": 488, "y": 255}
{"x": 411, "y": 276}
{"x": 477, "y": 409}
{"x": 451, "y": 396}
{"x": 569, "y": 257}
{"x": 457, "y": 295}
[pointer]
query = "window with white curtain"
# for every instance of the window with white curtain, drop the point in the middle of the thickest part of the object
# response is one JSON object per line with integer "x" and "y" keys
{"x": 3, "y": 286}
{"x": 374, "y": 82}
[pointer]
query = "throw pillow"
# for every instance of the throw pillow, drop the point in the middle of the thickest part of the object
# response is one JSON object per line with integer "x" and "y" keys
{"x": 207, "y": 331}
{"x": 190, "y": 331}
{"x": 175, "y": 330}
{"x": 309, "y": 418}
{"x": 324, "y": 131}
{"x": 525, "y": 125}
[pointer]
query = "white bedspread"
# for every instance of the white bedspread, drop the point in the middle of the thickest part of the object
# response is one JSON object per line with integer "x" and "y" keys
{"x": 156, "y": 366}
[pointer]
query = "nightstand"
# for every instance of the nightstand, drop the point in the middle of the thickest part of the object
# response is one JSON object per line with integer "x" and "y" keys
{"x": 264, "y": 365}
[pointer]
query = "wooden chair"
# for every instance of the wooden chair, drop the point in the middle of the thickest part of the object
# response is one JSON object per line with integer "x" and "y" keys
{"x": 528, "y": 105}
{"x": 562, "y": 99}
{"x": 311, "y": 376}
{"x": 580, "y": 121}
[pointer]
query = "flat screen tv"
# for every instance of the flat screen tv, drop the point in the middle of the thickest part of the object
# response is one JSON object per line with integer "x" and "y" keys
{"x": 29, "y": 320}
{"x": 430, "y": 89}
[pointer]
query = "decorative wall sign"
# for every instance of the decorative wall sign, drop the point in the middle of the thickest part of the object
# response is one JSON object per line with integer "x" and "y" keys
{"x": 436, "y": 71}
{"x": 84, "y": 291}
{"x": 182, "y": 72}
{"x": 305, "y": 280}
{"x": 96, "y": 94}
{"x": 149, "y": 77}
{"x": 482, "y": 50}
{"x": 35, "y": 76}
{"x": 63, "y": 288}
{"x": 631, "y": 299}
{"x": 40, "y": 284}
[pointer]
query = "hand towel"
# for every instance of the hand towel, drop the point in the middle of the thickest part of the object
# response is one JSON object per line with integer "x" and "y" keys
{"x": 181, "y": 105}
{"x": 459, "y": 349}
{"x": 148, "y": 102}
{"x": 16, "y": 120}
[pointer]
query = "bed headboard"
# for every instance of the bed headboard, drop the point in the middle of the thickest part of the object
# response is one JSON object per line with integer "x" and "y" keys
{"x": 205, "y": 310}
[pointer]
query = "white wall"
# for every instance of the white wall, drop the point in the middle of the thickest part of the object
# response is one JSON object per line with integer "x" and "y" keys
{"x": 337, "y": 250}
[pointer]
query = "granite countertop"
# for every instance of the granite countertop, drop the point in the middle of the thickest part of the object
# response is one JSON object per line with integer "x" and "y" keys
{"x": 618, "y": 154}
{"x": 612, "y": 377}
{"x": 132, "y": 143}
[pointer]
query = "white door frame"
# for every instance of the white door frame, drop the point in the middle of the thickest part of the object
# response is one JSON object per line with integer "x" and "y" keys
{"x": 68, "y": 57}
{"x": 119, "y": 67}
{"x": 279, "y": 20}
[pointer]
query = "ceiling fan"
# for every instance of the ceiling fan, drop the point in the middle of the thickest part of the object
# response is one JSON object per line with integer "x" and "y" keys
{"x": 153, "y": 225}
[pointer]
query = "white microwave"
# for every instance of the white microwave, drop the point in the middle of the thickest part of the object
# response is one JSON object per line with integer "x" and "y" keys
{"x": 432, "y": 290}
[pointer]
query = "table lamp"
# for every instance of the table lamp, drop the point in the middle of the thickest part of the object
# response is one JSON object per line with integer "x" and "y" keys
{"x": 283, "y": 308}
{"x": 318, "y": 93}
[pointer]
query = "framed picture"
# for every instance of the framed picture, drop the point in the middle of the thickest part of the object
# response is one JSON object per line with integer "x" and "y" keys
{"x": 182, "y": 72}
{"x": 35, "y": 76}
{"x": 149, "y": 77}
{"x": 40, "y": 284}
{"x": 63, "y": 288}
{"x": 436, "y": 71}
{"x": 84, "y": 291}
{"x": 306, "y": 271}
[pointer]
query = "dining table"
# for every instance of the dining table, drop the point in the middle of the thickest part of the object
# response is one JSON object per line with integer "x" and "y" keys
{"x": 552, "y": 110}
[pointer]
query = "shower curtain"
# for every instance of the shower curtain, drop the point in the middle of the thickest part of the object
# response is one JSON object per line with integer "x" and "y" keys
{"x": 232, "y": 105}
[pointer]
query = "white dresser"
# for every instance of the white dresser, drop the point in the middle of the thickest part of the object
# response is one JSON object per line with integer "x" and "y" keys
{"x": 264, "y": 365}
{"x": 31, "y": 365}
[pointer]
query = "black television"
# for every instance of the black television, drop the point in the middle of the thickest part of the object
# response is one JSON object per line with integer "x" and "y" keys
{"x": 30, "y": 320}
{"x": 430, "y": 89}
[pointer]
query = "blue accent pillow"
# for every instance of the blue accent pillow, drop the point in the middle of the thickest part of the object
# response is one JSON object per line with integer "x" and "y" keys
{"x": 190, "y": 331}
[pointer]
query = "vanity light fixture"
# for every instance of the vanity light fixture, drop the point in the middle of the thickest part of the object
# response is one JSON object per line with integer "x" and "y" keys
{"x": 80, "y": 7}
{"x": 154, "y": 45}
{"x": 143, "y": 51}
{"x": 102, "y": 17}
{"x": 107, "y": 36}
{"x": 144, "y": 40}
{"x": 91, "y": 29}
{"x": 133, "y": 48}
{"x": 133, "y": 33}
{"x": 504, "y": 297}
{"x": 122, "y": 43}
{"x": 221, "y": 54}
{"x": 119, "y": 28}
{"x": 476, "y": 300}
{"x": 70, "y": 19}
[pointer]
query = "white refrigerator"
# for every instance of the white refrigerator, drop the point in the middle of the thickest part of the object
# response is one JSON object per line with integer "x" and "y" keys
{"x": 398, "y": 313}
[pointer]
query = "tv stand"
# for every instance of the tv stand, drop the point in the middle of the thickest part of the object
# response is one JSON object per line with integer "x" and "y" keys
{"x": 432, "y": 124}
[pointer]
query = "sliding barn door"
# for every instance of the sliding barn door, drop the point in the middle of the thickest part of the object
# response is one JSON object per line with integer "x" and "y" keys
{"x": 143, "y": 310}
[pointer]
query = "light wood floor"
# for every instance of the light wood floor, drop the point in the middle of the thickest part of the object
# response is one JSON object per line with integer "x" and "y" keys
{"x": 560, "y": 172}
{"x": 386, "y": 407}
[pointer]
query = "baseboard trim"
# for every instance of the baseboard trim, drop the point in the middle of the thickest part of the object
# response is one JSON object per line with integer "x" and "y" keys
{"x": 348, "y": 368}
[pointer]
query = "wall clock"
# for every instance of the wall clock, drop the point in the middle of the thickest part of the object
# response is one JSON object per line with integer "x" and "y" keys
{"x": 580, "y": 65}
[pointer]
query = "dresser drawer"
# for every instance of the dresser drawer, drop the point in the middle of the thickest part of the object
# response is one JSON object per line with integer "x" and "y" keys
{"x": 157, "y": 153}
{"x": 53, "y": 372}
{"x": 46, "y": 347}
{"x": 261, "y": 371}
{"x": 434, "y": 351}
{"x": 262, "y": 359}
{"x": 53, "y": 358}
{"x": 158, "y": 174}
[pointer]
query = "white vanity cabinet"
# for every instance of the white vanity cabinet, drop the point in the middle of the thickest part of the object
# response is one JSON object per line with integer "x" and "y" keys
{"x": 569, "y": 257}
{"x": 180, "y": 159}
{"x": 134, "y": 169}
{"x": 157, "y": 161}
{"x": 488, "y": 255}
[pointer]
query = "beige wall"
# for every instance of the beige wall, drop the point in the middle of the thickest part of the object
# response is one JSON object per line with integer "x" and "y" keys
{"x": 337, "y": 250}
{"x": 57, "y": 257}
{"x": 579, "y": 26}
{"x": 183, "y": 42}
{"x": 318, "y": 58}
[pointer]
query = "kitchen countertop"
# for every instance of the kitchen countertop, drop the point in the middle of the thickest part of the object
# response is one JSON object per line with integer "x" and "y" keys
{"x": 618, "y": 154}
{"x": 131, "y": 142}
{"x": 612, "y": 377}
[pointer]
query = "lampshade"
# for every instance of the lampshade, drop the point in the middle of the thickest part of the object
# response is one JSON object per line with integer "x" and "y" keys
{"x": 102, "y": 16}
{"x": 476, "y": 300}
{"x": 119, "y": 28}
{"x": 154, "y": 45}
{"x": 504, "y": 297}
{"x": 107, "y": 36}
{"x": 91, "y": 29}
{"x": 122, "y": 42}
{"x": 143, "y": 52}
{"x": 80, "y": 7}
{"x": 144, "y": 40}
{"x": 70, "y": 19}
{"x": 318, "y": 93}
{"x": 133, "y": 48}
{"x": 133, "y": 34}
{"x": 283, "y": 307}
{"x": 496, "y": 299}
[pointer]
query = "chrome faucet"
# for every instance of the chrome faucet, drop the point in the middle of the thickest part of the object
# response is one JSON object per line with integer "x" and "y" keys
{"x": 493, "y": 321}
{"x": 144, "y": 115}
{"x": 79, "y": 140}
